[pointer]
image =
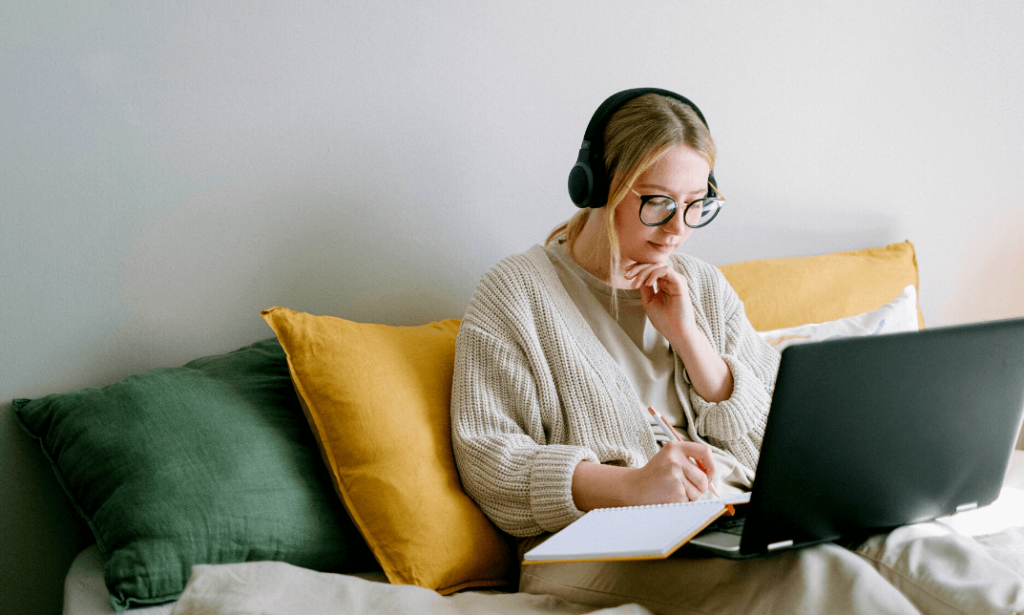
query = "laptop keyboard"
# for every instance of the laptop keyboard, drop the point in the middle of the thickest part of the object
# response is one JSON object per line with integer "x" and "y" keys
{"x": 730, "y": 525}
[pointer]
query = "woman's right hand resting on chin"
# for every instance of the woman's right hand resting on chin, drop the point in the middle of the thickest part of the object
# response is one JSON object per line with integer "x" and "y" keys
{"x": 670, "y": 476}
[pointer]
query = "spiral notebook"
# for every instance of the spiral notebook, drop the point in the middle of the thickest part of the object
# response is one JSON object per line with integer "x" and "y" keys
{"x": 631, "y": 532}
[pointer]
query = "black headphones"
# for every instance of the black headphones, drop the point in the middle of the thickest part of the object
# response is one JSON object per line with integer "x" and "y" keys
{"x": 588, "y": 179}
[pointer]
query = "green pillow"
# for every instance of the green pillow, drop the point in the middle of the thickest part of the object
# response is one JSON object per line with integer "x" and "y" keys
{"x": 208, "y": 463}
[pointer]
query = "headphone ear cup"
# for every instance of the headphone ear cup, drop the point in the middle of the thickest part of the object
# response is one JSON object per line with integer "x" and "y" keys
{"x": 581, "y": 184}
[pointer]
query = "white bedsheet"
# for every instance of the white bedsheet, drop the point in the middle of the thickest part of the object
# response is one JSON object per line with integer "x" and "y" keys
{"x": 274, "y": 588}
{"x": 86, "y": 594}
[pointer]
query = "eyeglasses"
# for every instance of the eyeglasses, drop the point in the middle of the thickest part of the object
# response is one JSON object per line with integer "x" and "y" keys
{"x": 657, "y": 209}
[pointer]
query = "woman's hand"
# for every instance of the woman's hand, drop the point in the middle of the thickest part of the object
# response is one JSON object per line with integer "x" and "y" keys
{"x": 673, "y": 476}
{"x": 669, "y": 309}
{"x": 671, "y": 313}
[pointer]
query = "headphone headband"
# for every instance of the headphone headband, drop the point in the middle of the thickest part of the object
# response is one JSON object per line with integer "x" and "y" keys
{"x": 588, "y": 179}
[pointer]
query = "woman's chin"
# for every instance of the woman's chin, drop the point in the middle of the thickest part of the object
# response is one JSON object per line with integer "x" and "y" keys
{"x": 646, "y": 258}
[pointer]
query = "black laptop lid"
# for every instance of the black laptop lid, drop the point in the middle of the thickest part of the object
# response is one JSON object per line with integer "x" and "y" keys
{"x": 874, "y": 432}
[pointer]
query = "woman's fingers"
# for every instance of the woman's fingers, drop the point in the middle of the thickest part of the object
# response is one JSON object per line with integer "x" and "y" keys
{"x": 646, "y": 294}
{"x": 644, "y": 275}
{"x": 692, "y": 492}
{"x": 652, "y": 276}
{"x": 708, "y": 465}
{"x": 637, "y": 272}
{"x": 695, "y": 483}
{"x": 696, "y": 475}
{"x": 696, "y": 463}
{"x": 703, "y": 458}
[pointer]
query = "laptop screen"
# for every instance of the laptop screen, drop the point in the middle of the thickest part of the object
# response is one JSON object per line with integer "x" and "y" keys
{"x": 870, "y": 433}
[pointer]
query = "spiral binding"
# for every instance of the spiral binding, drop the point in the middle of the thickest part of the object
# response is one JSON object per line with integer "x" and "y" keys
{"x": 665, "y": 505}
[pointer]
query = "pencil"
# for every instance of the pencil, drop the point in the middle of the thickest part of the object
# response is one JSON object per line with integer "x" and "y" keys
{"x": 667, "y": 427}
{"x": 671, "y": 432}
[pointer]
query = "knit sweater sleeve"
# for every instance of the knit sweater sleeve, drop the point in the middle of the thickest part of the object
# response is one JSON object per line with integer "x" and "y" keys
{"x": 504, "y": 414}
{"x": 735, "y": 424}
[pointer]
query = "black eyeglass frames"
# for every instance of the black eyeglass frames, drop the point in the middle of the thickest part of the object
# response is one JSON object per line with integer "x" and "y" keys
{"x": 657, "y": 209}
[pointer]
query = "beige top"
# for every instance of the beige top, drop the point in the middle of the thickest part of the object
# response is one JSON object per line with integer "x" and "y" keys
{"x": 535, "y": 391}
{"x": 640, "y": 350}
{"x": 644, "y": 355}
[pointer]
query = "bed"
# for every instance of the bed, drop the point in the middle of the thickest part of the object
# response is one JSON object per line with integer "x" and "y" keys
{"x": 269, "y": 479}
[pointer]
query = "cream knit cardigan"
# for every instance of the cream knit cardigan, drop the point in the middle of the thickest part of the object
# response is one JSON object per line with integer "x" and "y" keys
{"x": 535, "y": 392}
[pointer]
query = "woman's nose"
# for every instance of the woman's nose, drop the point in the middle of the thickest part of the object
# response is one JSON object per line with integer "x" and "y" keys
{"x": 675, "y": 226}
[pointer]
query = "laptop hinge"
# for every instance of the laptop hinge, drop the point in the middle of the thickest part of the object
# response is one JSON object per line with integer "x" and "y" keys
{"x": 779, "y": 545}
{"x": 963, "y": 507}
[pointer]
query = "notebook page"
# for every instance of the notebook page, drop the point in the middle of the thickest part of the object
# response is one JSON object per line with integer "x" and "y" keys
{"x": 633, "y": 532}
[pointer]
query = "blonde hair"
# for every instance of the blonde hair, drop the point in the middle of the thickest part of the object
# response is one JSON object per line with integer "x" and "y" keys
{"x": 635, "y": 138}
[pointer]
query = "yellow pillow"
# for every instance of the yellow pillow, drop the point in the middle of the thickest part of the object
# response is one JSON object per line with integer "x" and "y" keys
{"x": 788, "y": 292}
{"x": 377, "y": 398}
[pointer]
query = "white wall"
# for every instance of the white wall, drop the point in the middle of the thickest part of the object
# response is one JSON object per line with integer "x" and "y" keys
{"x": 169, "y": 169}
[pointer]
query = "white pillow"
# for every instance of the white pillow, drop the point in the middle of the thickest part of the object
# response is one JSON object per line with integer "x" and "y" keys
{"x": 898, "y": 315}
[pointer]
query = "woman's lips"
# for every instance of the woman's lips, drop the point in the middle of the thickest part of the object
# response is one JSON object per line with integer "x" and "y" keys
{"x": 663, "y": 246}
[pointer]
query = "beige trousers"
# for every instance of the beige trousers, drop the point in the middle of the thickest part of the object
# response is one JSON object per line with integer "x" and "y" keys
{"x": 923, "y": 568}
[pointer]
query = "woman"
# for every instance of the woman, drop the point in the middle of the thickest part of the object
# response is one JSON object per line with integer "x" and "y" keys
{"x": 564, "y": 347}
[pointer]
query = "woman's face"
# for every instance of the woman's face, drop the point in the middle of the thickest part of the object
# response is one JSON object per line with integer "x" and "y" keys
{"x": 682, "y": 173}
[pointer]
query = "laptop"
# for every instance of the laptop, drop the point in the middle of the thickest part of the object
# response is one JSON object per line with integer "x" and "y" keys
{"x": 866, "y": 434}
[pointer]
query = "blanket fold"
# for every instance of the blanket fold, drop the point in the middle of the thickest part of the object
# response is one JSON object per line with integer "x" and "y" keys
{"x": 276, "y": 588}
